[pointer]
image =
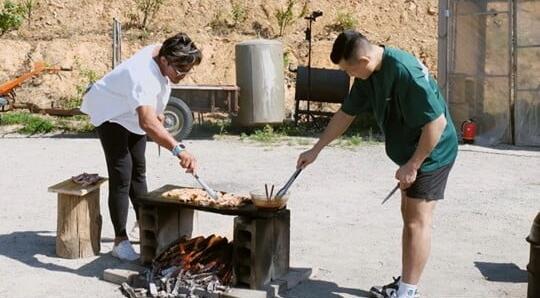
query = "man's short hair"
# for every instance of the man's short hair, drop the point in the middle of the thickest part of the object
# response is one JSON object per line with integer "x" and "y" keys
{"x": 180, "y": 51}
{"x": 345, "y": 45}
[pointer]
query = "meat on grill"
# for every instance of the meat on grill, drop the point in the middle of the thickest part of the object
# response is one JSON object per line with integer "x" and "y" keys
{"x": 199, "y": 197}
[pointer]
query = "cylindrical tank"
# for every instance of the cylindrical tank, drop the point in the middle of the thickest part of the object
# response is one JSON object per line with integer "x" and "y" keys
{"x": 327, "y": 85}
{"x": 533, "y": 289}
{"x": 259, "y": 74}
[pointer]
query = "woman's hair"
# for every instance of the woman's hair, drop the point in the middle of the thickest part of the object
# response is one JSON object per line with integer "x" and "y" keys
{"x": 180, "y": 51}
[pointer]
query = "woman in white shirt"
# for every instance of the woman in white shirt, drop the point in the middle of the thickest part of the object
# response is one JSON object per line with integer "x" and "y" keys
{"x": 126, "y": 105}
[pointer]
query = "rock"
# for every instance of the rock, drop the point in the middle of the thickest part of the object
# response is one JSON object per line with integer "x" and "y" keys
{"x": 432, "y": 11}
{"x": 404, "y": 17}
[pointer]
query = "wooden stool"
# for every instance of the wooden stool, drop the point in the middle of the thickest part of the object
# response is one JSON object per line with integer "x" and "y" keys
{"x": 78, "y": 233}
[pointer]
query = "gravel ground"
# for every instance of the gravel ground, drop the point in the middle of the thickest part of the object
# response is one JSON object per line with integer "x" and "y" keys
{"x": 338, "y": 225}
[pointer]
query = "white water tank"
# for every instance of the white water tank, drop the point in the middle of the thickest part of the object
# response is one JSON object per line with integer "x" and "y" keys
{"x": 259, "y": 74}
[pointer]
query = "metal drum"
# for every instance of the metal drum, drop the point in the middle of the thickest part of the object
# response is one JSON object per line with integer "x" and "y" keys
{"x": 259, "y": 74}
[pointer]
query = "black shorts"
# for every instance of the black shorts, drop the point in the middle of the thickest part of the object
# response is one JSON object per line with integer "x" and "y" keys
{"x": 430, "y": 185}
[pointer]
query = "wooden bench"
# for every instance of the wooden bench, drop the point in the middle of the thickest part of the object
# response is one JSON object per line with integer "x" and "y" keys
{"x": 78, "y": 219}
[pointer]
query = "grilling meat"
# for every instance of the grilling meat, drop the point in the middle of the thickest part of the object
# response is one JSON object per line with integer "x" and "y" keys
{"x": 199, "y": 197}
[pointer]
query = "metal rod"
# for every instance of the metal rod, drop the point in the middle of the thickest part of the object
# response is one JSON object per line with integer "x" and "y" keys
{"x": 454, "y": 74}
{"x": 116, "y": 43}
{"x": 493, "y": 13}
{"x": 266, "y": 190}
{"x": 309, "y": 65}
{"x": 119, "y": 55}
{"x": 527, "y": 89}
{"x": 512, "y": 84}
{"x": 113, "y": 62}
{"x": 527, "y": 46}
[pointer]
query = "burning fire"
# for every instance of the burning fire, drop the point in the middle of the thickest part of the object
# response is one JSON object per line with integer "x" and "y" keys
{"x": 191, "y": 264}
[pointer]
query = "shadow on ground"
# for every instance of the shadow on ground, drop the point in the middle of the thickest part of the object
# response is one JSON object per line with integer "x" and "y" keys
{"x": 323, "y": 289}
{"x": 502, "y": 272}
{"x": 25, "y": 247}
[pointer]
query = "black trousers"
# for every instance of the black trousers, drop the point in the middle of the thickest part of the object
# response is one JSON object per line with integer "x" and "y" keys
{"x": 126, "y": 165}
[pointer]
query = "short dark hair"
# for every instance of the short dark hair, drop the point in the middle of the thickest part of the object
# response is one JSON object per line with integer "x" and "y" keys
{"x": 345, "y": 44}
{"x": 180, "y": 51}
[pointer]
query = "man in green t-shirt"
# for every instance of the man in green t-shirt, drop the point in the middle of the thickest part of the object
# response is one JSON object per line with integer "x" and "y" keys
{"x": 419, "y": 137}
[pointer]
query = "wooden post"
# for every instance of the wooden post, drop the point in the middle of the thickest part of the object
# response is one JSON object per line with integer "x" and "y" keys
{"x": 78, "y": 219}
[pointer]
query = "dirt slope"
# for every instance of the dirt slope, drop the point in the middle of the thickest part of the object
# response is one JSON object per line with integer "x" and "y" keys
{"x": 77, "y": 34}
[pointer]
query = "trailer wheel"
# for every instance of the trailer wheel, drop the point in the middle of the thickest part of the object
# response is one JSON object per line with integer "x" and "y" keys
{"x": 178, "y": 118}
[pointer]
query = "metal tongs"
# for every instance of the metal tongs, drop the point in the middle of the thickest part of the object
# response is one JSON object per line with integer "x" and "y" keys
{"x": 212, "y": 193}
{"x": 285, "y": 188}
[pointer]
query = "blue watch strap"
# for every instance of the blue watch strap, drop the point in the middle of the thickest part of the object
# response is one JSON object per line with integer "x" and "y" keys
{"x": 178, "y": 149}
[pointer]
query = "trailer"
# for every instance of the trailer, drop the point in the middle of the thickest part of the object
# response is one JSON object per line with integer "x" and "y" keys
{"x": 188, "y": 99}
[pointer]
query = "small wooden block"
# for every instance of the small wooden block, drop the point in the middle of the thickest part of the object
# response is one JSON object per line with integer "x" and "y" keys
{"x": 71, "y": 188}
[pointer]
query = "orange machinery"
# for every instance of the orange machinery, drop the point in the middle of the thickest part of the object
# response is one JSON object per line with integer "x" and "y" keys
{"x": 7, "y": 89}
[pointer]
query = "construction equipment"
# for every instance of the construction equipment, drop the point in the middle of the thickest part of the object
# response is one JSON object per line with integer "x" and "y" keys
{"x": 7, "y": 89}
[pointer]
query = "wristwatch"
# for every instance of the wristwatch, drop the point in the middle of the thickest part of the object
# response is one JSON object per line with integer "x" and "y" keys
{"x": 178, "y": 149}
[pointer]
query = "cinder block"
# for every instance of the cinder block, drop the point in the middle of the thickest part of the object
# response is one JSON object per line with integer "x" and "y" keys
{"x": 245, "y": 293}
{"x": 261, "y": 249}
{"x": 294, "y": 277}
{"x": 173, "y": 223}
{"x": 160, "y": 226}
{"x": 147, "y": 218}
{"x": 119, "y": 276}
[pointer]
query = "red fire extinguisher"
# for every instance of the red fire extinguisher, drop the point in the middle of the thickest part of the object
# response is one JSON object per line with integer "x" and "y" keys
{"x": 468, "y": 130}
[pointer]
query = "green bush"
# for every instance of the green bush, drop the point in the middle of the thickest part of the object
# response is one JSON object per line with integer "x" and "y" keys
{"x": 266, "y": 135}
{"x": 37, "y": 125}
{"x": 286, "y": 59}
{"x": 224, "y": 22}
{"x": 344, "y": 21}
{"x": 285, "y": 16}
{"x": 32, "y": 124}
{"x": 149, "y": 9}
{"x": 10, "y": 17}
{"x": 88, "y": 76}
{"x": 219, "y": 23}
{"x": 238, "y": 12}
{"x": 26, "y": 8}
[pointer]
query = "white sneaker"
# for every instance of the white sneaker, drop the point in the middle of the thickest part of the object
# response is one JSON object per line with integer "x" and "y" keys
{"x": 124, "y": 251}
{"x": 388, "y": 291}
{"x": 134, "y": 233}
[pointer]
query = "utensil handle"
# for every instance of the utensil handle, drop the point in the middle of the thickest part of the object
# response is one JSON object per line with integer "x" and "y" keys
{"x": 390, "y": 194}
{"x": 284, "y": 189}
{"x": 207, "y": 188}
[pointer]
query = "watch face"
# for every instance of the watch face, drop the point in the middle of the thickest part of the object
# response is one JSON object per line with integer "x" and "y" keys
{"x": 182, "y": 146}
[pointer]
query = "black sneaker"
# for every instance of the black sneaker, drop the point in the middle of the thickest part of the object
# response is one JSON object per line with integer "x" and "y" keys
{"x": 388, "y": 291}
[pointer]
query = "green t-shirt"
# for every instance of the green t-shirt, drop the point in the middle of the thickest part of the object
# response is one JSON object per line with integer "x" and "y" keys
{"x": 404, "y": 97}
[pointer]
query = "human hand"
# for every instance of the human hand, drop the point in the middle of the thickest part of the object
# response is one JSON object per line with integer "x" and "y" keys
{"x": 306, "y": 158}
{"x": 406, "y": 174}
{"x": 187, "y": 161}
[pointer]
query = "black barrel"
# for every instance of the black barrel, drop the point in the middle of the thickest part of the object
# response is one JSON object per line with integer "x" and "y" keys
{"x": 533, "y": 290}
{"x": 327, "y": 85}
